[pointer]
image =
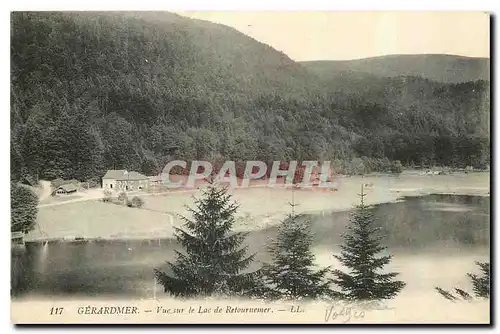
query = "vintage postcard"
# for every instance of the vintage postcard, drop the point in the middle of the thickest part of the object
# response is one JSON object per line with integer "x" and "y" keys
{"x": 250, "y": 167}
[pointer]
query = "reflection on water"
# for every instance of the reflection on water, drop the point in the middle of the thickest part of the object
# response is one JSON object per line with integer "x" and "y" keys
{"x": 420, "y": 222}
{"x": 123, "y": 268}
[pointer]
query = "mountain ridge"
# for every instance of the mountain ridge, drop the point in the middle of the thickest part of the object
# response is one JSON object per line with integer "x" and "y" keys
{"x": 445, "y": 68}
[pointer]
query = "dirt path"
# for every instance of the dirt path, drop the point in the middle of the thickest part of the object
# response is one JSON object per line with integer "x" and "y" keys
{"x": 97, "y": 194}
{"x": 46, "y": 190}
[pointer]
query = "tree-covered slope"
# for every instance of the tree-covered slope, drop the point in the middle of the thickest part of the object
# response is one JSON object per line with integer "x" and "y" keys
{"x": 143, "y": 85}
{"x": 409, "y": 117}
{"x": 96, "y": 91}
{"x": 416, "y": 120}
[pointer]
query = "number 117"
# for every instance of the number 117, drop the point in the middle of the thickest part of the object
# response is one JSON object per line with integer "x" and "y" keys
{"x": 56, "y": 310}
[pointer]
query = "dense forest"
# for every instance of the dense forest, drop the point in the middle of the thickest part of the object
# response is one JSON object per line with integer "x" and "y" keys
{"x": 96, "y": 91}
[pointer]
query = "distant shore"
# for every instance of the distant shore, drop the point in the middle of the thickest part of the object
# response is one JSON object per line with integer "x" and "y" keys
{"x": 260, "y": 207}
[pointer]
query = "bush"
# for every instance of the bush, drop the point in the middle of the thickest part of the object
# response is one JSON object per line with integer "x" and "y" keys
{"x": 129, "y": 203}
{"x": 137, "y": 202}
{"x": 107, "y": 196}
{"x": 23, "y": 208}
{"x": 356, "y": 167}
{"x": 397, "y": 167}
{"x": 122, "y": 197}
{"x": 384, "y": 165}
{"x": 337, "y": 166}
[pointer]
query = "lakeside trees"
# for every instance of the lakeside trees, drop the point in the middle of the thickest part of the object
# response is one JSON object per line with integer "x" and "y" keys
{"x": 214, "y": 262}
{"x": 23, "y": 208}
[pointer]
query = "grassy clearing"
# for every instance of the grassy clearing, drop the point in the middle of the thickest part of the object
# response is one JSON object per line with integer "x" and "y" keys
{"x": 95, "y": 219}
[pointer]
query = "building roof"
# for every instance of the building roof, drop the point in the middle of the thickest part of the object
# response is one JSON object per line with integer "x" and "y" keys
{"x": 114, "y": 174}
{"x": 123, "y": 175}
{"x": 156, "y": 178}
{"x": 69, "y": 187}
{"x": 134, "y": 176}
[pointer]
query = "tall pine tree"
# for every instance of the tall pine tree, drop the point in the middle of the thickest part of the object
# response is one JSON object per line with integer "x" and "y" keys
{"x": 292, "y": 274}
{"x": 359, "y": 254}
{"x": 213, "y": 260}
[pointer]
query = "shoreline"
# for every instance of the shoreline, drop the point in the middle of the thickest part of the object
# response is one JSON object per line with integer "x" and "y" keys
{"x": 261, "y": 207}
{"x": 77, "y": 239}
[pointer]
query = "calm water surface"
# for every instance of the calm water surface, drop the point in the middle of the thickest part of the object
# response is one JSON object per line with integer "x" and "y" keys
{"x": 433, "y": 224}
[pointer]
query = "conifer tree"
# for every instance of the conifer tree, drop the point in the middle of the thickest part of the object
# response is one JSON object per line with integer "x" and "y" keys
{"x": 359, "y": 254}
{"x": 214, "y": 259}
{"x": 291, "y": 274}
{"x": 481, "y": 284}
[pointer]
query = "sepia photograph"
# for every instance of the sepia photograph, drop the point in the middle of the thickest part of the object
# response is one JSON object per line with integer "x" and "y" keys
{"x": 250, "y": 167}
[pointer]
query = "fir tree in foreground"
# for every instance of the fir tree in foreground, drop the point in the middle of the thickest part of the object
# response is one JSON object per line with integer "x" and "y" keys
{"x": 359, "y": 252}
{"x": 213, "y": 257}
{"x": 480, "y": 285}
{"x": 292, "y": 275}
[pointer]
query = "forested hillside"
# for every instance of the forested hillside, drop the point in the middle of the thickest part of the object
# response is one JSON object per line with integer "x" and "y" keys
{"x": 95, "y": 91}
{"x": 436, "y": 67}
{"x": 416, "y": 120}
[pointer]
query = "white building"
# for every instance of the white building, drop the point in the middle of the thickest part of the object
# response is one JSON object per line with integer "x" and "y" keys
{"x": 122, "y": 180}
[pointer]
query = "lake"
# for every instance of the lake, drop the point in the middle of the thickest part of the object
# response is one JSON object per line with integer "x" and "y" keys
{"x": 423, "y": 233}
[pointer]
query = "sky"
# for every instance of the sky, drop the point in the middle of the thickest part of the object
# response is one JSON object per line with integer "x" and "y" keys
{"x": 352, "y": 35}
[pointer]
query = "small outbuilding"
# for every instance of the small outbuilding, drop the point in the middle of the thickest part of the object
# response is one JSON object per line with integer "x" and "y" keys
{"x": 65, "y": 189}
